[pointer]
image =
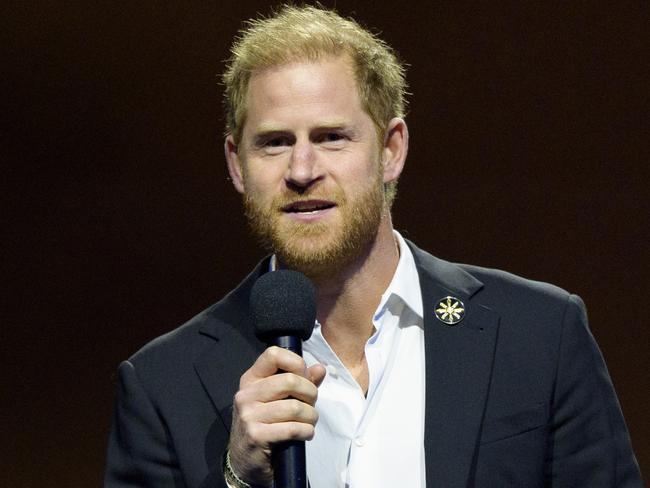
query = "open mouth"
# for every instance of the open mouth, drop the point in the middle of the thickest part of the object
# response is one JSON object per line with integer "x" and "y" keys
{"x": 308, "y": 206}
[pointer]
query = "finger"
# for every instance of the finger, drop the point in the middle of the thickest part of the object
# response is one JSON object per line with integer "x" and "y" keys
{"x": 272, "y": 360}
{"x": 268, "y": 434}
{"x": 289, "y": 410}
{"x": 278, "y": 387}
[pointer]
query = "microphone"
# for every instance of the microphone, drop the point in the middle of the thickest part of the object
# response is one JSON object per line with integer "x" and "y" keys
{"x": 283, "y": 303}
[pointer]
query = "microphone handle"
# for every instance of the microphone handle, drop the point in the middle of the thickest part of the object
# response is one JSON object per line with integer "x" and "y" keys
{"x": 293, "y": 343}
{"x": 289, "y": 466}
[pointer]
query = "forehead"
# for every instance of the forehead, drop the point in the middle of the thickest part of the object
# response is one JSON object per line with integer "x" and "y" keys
{"x": 313, "y": 88}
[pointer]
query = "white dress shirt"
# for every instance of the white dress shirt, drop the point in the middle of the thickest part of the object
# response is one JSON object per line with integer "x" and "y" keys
{"x": 374, "y": 441}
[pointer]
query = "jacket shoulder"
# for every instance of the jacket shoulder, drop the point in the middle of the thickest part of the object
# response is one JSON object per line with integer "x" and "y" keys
{"x": 177, "y": 343}
{"x": 495, "y": 286}
{"x": 526, "y": 305}
{"x": 219, "y": 321}
{"x": 507, "y": 283}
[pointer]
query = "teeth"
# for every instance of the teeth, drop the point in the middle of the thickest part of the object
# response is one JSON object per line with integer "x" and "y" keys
{"x": 305, "y": 209}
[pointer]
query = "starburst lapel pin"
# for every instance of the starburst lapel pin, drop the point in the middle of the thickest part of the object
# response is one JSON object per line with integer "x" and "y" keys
{"x": 450, "y": 310}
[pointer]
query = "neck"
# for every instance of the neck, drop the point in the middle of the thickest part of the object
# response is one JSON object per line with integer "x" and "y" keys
{"x": 347, "y": 301}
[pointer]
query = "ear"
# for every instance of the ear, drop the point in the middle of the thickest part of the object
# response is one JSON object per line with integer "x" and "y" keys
{"x": 234, "y": 163}
{"x": 396, "y": 144}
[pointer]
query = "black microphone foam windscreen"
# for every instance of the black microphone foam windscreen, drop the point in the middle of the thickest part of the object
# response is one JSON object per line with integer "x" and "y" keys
{"x": 283, "y": 303}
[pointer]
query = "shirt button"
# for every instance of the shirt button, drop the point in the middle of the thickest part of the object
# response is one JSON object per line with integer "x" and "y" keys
{"x": 359, "y": 441}
{"x": 332, "y": 371}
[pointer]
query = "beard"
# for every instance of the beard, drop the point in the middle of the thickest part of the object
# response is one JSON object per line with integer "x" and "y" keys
{"x": 319, "y": 249}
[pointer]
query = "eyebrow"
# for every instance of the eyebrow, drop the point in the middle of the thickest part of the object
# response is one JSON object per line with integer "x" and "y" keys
{"x": 263, "y": 134}
{"x": 270, "y": 128}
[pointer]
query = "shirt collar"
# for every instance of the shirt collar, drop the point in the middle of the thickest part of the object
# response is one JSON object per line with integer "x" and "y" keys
{"x": 405, "y": 283}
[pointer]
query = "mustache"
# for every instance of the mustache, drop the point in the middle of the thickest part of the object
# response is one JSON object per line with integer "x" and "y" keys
{"x": 287, "y": 198}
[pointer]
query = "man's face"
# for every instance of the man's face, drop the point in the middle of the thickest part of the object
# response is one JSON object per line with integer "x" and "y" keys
{"x": 308, "y": 164}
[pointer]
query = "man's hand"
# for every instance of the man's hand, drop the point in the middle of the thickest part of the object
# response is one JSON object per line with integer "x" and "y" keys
{"x": 271, "y": 408}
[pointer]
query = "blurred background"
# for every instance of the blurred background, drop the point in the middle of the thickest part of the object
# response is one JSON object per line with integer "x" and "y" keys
{"x": 530, "y": 145}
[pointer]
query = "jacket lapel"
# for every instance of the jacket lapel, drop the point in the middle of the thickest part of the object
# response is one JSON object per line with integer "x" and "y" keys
{"x": 232, "y": 346}
{"x": 459, "y": 362}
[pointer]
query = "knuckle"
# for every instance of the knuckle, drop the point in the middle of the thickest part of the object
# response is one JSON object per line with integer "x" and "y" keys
{"x": 244, "y": 379}
{"x": 292, "y": 382}
{"x": 312, "y": 392}
{"x": 272, "y": 353}
{"x": 245, "y": 417}
{"x": 299, "y": 362}
{"x": 253, "y": 432}
{"x": 239, "y": 400}
{"x": 295, "y": 408}
{"x": 314, "y": 417}
{"x": 294, "y": 431}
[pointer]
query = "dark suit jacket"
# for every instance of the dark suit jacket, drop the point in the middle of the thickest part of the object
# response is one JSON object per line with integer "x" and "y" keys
{"x": 517, "y": 394}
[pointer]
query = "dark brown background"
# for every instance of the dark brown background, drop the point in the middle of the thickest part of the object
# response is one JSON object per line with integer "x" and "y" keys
{"x": 530, "y": 147}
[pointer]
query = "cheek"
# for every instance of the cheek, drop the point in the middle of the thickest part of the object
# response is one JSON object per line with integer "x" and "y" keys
{"x": 357, "y": 167}
{"x": 362, "y": 176}
{"x": 262, "y": 184}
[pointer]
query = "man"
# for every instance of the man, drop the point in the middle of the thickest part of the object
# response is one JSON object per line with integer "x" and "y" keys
{"x": 418, "y": 370}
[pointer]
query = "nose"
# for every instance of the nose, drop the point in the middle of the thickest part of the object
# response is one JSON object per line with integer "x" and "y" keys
{"x": 304, "y": 169}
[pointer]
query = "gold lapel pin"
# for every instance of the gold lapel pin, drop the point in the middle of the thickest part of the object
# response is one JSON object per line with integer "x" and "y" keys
{"x": 450, "y": 310}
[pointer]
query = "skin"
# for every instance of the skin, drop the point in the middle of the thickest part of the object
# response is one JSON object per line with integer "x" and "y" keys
{"x": 307, "y": 138}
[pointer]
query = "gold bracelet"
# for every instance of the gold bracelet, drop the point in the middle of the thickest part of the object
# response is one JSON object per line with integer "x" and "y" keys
{"x": 232, "y": 480}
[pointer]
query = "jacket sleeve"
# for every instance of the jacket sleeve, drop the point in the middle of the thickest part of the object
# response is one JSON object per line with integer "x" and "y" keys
{"x": 140, "y": 451}
{"x": 589, "y": 442}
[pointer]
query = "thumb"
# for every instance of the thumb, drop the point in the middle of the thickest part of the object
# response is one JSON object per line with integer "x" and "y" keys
{"x": 317, "y": 373}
